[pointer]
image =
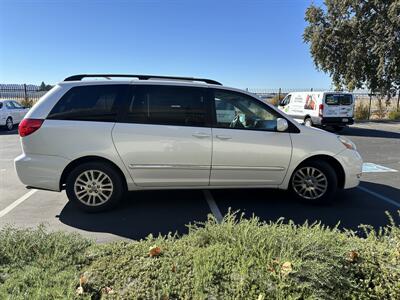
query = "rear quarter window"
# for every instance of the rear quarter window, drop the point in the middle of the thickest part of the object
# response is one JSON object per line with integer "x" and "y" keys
{"x": 90, "y": 103}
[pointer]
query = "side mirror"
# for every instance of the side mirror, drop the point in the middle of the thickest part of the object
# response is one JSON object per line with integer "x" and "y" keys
{"x": 281, "y": 124}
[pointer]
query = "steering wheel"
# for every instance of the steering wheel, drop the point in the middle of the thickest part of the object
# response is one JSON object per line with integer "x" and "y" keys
{"x": 236, "y": 123}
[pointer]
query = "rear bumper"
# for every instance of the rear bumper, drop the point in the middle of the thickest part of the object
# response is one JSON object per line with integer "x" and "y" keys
{"x": 334, "y": 121}
{"x": 352, "y": 166}
{"x": 40, "y": 171}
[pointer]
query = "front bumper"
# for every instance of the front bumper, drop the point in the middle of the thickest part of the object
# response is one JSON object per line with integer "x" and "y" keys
{"x": 40, "y": 171}
{"x": 352, "y": 165}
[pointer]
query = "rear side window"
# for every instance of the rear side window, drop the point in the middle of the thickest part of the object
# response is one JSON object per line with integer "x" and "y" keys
{"x": 338, "y": 99}
{"x": 1, "y": 105}
{"x": 90, "y": 103}
{"x": 167, "y": 105}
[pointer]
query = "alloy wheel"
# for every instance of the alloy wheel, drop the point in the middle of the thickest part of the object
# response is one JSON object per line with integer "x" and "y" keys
{"x": 93, "y": 187}
{"x": 9, "y": 124}
{"x": 309, "y": 183}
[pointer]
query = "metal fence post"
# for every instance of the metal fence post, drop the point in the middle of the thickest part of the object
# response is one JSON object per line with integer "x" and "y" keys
{"x": 25, "y": 93}
{"x": 369, "y": 108}
{"x": 279, "y": 94}
{"x": 398, "y": 100}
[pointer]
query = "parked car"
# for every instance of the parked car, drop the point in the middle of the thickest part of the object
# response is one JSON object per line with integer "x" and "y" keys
{"x": 334, "y": 109}
{"x": 98, "y": 139}
{"x": 11, "y": 113}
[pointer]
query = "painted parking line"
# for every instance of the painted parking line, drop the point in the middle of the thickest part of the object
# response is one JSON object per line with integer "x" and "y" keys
{"x": 213, "y": 205}
{"x": 374, "y": 168}
{"x": 16, "y": 203}
{"x": 388, "y": 200}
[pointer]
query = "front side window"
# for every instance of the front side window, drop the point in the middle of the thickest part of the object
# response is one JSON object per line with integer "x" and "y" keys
{"x": 285, "y": 101}
{"x": 89, "y": 103}
{"x": 167, "y": 105}
{"x": 17, "y": 105}
{"x": 239, "y": 111}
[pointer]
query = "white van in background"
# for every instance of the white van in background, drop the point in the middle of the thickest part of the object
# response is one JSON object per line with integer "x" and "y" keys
{"x": 334, "y": 109}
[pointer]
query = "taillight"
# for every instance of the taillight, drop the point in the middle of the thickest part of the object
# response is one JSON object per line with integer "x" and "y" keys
{"x": 321, "y": 110}
{"x": 29, "y": 126}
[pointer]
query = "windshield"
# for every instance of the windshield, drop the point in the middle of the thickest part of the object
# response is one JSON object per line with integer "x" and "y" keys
{"x": 338, "y": 99}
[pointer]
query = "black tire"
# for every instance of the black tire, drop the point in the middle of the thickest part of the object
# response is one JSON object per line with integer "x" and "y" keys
{"x": 338, "y": 128}
{"x": 330, "y": 175}
{"x": 9, "y": 124}
{"x": 118, "y": 188}
{"x": 308, "y": 122}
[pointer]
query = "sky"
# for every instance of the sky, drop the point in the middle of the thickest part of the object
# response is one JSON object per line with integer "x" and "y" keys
{"x": 245, "y": 44}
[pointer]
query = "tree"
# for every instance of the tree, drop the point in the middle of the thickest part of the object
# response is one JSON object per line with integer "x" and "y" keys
{"x": 357, "y": 42}
{"x": 44, "y": 87}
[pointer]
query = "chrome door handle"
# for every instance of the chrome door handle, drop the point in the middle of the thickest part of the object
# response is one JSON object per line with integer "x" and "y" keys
{"x": 201, "y": 135}
{"x": 223, "y": 137}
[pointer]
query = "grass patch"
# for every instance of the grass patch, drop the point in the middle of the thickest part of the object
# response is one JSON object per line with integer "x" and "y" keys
{"x": 237, "y": 259}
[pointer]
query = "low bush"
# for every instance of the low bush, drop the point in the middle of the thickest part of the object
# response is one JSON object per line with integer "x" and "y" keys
{"x": 237, "y": 259}
{"x": 36, "y": 264}
{"x": 394, "y": 115}
{"x": 27, "y": 102}
{"x": 361, "y": 112}
{"x": 276, "y": 99}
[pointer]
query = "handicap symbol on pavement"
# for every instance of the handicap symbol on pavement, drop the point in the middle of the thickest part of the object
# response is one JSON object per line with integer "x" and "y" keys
{"x": 374, "y": 168}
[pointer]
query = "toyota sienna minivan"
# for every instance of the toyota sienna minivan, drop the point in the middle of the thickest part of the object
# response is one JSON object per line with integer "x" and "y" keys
{"x": 98, "y": 139}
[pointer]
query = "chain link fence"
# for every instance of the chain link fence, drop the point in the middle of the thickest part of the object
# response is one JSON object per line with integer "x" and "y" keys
{"x": 367, "y": 106}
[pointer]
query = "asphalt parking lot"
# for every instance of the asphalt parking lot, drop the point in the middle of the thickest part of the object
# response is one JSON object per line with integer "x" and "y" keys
{"x": 142, "y": 213}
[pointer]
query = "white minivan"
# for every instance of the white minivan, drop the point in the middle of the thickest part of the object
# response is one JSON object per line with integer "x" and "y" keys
{"x": 334, "y": 109}
{"x": 98, "y": 139}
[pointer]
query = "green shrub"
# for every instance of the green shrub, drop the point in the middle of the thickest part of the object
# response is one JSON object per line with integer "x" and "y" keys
{"x": 237, "y": 259}
{"x": 275, "y": 99}
{"x": 361, "y": 111}
{"x": 248, "y": 259}
{"x": 35, "y": 264}
{"x": 27, "y": 102}
{"x": 394, "y": 115}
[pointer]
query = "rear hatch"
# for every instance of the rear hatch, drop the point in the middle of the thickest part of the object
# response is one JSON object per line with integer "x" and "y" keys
{"x": 338, "y": 105}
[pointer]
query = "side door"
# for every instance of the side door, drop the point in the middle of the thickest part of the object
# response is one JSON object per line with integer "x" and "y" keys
{"x": 12, "y": 111}
{"x": 248, "y": 150}
{"x": 20, "y": 110}
{"x": 164, "y": 136}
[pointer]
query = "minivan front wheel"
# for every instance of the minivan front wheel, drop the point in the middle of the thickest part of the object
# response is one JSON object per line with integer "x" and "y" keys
{"x": 94, "y": 186}
{"x": 314, "y": 182}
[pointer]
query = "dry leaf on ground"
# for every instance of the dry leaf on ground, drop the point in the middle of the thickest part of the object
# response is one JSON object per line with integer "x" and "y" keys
{"x": 154, "y": 251}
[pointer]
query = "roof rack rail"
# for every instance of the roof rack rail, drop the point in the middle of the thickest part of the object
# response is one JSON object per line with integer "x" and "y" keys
{"x": 140, "y": 77}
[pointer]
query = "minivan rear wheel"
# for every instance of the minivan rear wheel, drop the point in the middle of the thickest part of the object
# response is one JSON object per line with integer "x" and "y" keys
{"x": 9, "y": 124}
{"x": 94, "y": 186}
{"x": 314, "y": 182}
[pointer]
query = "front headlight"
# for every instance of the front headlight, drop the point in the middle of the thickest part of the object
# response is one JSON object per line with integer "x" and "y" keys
{"x": 347, "y": 143}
